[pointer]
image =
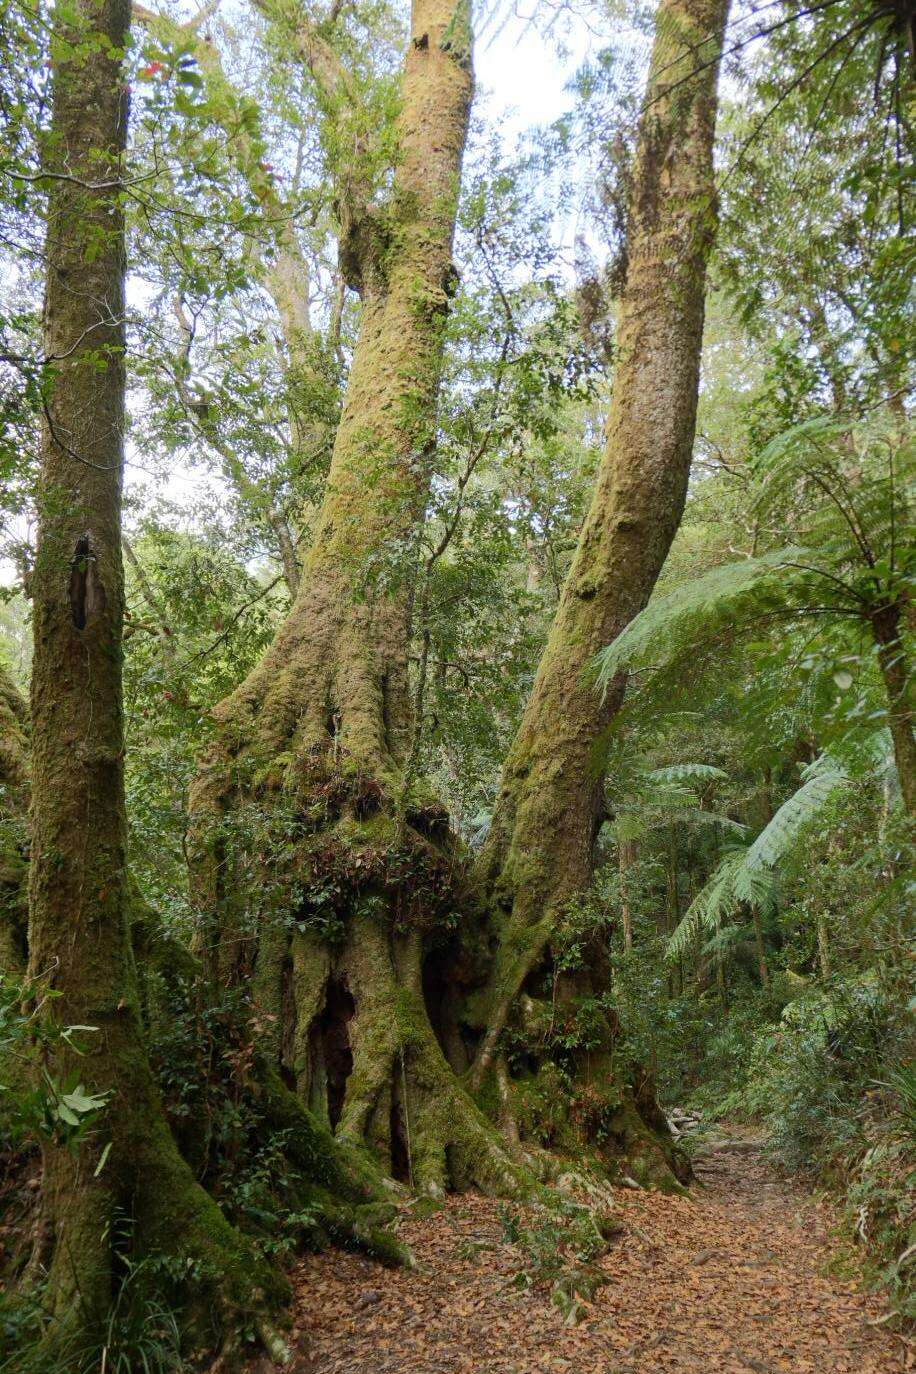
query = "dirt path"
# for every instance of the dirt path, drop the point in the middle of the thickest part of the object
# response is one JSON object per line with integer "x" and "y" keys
{"x": 732, "y": 1280}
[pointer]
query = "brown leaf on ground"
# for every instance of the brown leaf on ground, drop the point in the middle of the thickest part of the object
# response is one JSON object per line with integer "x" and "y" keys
{"x": 732, "y": 1280}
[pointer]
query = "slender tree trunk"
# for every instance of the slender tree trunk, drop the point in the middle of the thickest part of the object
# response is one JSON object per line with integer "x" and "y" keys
{"x": 898, "y": 684}
{"x": 125, "y": 1168}
{"x": 762, "y": 965}
{"x": 14, "y": 806}
{"x": 626, "y": 857}
{"x": 549, "y": 810}
{"x": 319, "y": 733}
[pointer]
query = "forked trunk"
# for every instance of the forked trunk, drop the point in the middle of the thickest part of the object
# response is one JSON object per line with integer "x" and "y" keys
{"x": 539, "y": 852}
{"x": 313, "y": 744}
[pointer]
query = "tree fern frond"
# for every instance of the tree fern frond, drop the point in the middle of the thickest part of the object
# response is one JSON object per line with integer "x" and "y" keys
{"x": 698, "y": 816}
{"x": 781, "y": 833}
{"x": 725, "y": 593}
{"x": 631, "y": 825}
{"x": 687, "y": 772}
{"x": 755, "y": 886}
{"x": 791, "y": 451}
{"x": 709, "y": 905}
{"x": 724, "y": 940}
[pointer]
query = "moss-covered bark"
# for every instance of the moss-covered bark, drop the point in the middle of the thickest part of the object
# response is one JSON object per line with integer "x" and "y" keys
{"x": 313, "y": 745}
{"x": 888, "y": 634}
{"x": 122, "y": 1180}
{"x": 14, "y": 805}
{"x": 539, "y": 850}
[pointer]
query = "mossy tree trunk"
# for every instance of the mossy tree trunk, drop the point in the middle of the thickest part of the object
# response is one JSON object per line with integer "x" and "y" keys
{"x": 311, "y": 749}
{"x": 14, "y": 806}
{"x": 539, "y": 851}
{"x": 887, "y": 630}
{"x": 121, "y": 1180}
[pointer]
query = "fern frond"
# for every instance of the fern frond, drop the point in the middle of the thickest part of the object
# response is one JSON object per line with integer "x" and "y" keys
{"x": 782, "y": 832}
{"x": 726, "y": 594}
{"x": 697, "y": 816}
{"x": 631, "y": 825}
{"x": 686, "y": 772}
{"x": 792, "y": 453}
{"x": 715, "y": 900}
{"x": 747, "y": 877}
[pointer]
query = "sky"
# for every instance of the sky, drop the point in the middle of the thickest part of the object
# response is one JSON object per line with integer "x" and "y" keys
{"x": 521, "y": 73}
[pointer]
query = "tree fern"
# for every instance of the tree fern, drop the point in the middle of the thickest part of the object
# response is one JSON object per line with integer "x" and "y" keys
{"x": 687, "y": 772}
{"x": 716, "y": 900}
{"x": 635, "y": 822}
{"x": 654, "y": 797}
{"x": 781, "y": 833}
{"x": 747, "y": 876}
{"x": 723, "y": 595}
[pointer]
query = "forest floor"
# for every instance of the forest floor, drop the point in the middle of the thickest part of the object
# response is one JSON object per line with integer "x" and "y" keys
{"x": 741, "y": 1277}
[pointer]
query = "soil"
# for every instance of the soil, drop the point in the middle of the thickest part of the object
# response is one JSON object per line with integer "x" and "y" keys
{"x": 741, "y": 1277}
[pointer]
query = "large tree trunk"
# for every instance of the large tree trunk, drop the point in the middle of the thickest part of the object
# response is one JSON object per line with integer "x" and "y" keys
{"x": 313, "y": 745}
{"x": 539, "y": 852}
{"x": 124, "y": 1171}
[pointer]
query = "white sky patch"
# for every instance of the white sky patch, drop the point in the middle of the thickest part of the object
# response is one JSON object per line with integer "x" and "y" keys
{"x": 523, "y": 73}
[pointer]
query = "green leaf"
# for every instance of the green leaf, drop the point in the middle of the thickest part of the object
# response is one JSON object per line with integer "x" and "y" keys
{"x": 103, "y": 1161}
{"x": 80, "y": 1101}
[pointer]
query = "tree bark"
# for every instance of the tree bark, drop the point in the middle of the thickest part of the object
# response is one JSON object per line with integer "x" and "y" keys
{"x": 14, "y": 806}
{"x": 895, "y": 671}
{"x": 760, "y": 946}
{"x": 79, "y": 939}
{"x": 319, "y": 733}
{"x": 532, "y": 865}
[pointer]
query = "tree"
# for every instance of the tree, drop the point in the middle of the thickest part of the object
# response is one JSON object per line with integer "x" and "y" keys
{"x": 112, "y": 1176}
{"x": 14, "y": 805}
{"x": 277, "y": 260}
{"x": 319, "y": 734}
{"x": 539, "y": 852}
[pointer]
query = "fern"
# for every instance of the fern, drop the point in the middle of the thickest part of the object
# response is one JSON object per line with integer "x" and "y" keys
{"x": 844, "y": 495}
{"x": 781, "y": 833}
{"x": 716, "y": 900}
{"x": 728, "y": 593}
{"x": 747, "y": 876}
{"x": 686, "y": 772}
{"x": 635, "y": 822}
